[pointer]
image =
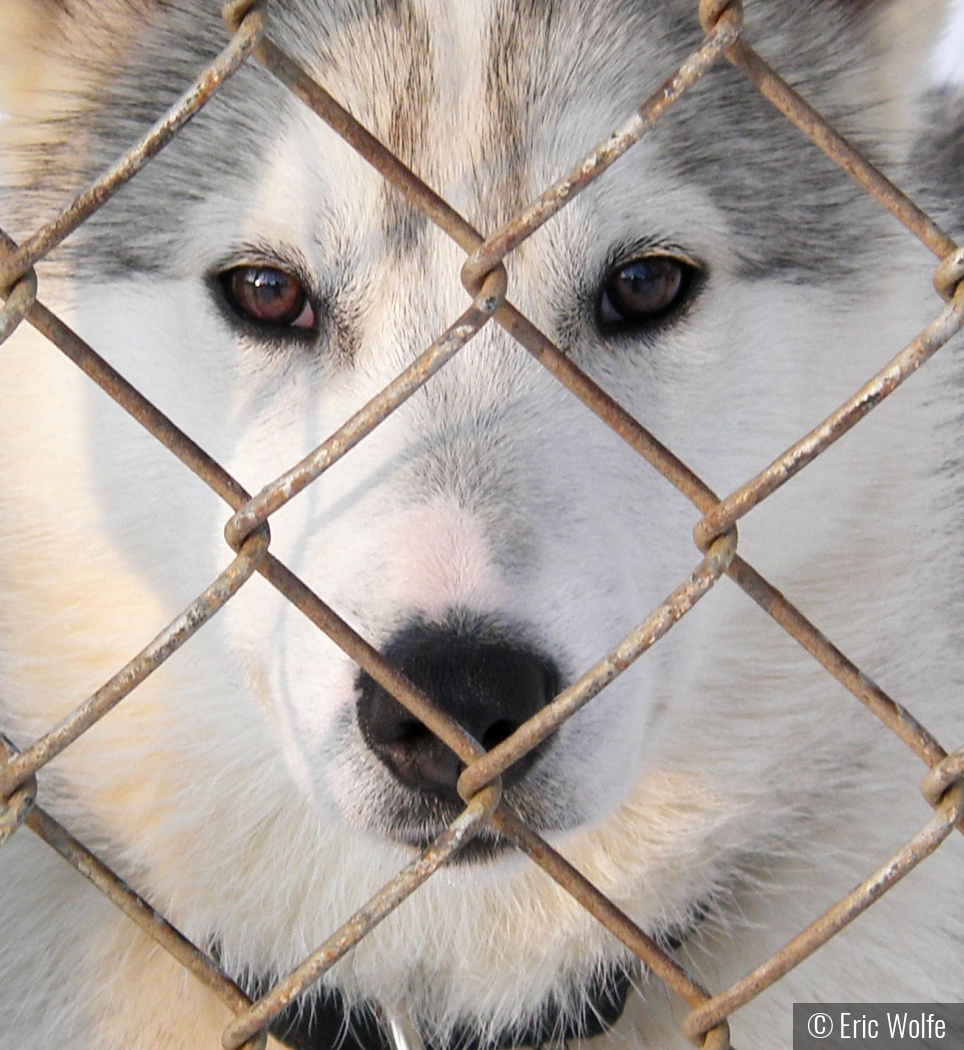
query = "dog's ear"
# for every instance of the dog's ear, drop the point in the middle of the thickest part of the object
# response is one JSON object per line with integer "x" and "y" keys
{"x": 52, "y": 51}
{"x": 27, "y": 26}
{"x": 871, "y": 56}
{"x": 905, "y": 34}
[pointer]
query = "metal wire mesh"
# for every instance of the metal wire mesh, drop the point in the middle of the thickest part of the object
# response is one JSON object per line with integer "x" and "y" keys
{"x": 484, "y": 276}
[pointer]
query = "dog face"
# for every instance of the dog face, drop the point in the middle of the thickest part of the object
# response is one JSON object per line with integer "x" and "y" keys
{"x": 492, "y": 506}
{"x": 492, "y": 538}
{"x": 491, "y": 516}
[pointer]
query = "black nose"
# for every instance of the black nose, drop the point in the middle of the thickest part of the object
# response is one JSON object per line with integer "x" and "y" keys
{"x": 488, "y": 683}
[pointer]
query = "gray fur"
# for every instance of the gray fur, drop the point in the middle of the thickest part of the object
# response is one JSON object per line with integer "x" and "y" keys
{"x": 724, "y": 137}
{"x": 724, "y": 775}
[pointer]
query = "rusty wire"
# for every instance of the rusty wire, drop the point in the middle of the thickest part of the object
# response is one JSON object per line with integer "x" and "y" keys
{"x": 545, "y": 722}
{"x": 19, "y": 802}
{"x": 131, "y": 904}
{"x": 922, "y": 845}
{"x": 17, "y": 770}
{"x": 15, "y": 264}
{"x": 457, "y": 835}
{"x": 728, "y": 511}
{"x": 247, "y": 532}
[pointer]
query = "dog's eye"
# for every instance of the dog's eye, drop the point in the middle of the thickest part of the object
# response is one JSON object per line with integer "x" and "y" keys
{"x": 644, "y": 291}
{"x": 268, "y": 296}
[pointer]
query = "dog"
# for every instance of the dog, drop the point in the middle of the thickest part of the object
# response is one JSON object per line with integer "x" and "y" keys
{"x": 492, "y": 538}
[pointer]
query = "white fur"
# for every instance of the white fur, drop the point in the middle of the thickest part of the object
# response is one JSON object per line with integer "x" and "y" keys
{"x": 724, "y": 769}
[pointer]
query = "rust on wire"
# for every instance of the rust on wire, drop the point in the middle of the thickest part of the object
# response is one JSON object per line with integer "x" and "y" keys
{"x": 920, "y": 349}
{"x": 922, "y": 845}
{"x": 838, "y": 149}
{"x": 275, "y": 495}
{"x": 606, "y": 408}
{"x": 370, "y": 660}
{"x": 282, "y": 66}
{"x": 17, "y": 808}
{"x": 670, "y": 972}
{"x": 247, "y": 531}
{"x": 187, "y": 623}
{"x": 531, "y": 733}
{"x": 948, "y": 274}
{"x": 137, "y": 406}
{"x": 941, "y": 777}
{"x": 723, "y": 35}
{"x": 896, "y": 717}
{"x": 19, "y": 296}
{"x": 600, "y": 906}
{"x": 458, "y": 834}
{"x": 141, "y": 913}
{"x": 84, "y": 205}
{"x": 15, "y": 805}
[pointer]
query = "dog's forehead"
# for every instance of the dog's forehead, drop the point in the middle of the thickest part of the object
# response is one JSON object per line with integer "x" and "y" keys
{"x": 487, "y": 103}
{"x": 455, "y": 89}
{"x": 500, "y": 96}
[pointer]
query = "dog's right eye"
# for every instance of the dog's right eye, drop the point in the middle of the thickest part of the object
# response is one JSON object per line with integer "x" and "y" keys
{"x": 268, "y": 296}
{"x": 644, "y": 292}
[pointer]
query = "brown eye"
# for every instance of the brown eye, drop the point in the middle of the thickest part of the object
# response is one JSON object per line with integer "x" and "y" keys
{"x": 644, "y": 291}
{"x": 268, "y": 296}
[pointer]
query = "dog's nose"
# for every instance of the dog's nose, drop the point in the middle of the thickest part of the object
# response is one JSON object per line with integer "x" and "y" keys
{"x": 486, "y": 682}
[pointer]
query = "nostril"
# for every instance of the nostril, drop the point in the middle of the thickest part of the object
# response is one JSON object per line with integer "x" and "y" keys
{"x": 402, "y": 729}
{"x": 488, "y": 682}
{"x": 422, "y": 762}
{"x": 497, "y": 732}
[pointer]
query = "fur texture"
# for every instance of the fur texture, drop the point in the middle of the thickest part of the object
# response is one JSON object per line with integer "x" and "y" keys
{"x": 724, "y": 786}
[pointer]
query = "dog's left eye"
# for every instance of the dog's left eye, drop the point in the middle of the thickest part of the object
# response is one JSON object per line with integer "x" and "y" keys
{"x": 644, "y": 291}
{"x": 268, "y": 296}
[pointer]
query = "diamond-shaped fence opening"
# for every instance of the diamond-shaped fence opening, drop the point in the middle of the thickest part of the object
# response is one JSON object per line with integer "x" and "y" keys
{"x": 716, "y": 555}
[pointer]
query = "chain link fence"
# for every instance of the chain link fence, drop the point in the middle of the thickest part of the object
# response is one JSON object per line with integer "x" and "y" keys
{"x": 247, "y": 531}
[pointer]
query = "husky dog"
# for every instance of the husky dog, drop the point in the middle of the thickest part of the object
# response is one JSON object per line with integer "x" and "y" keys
{"x": 259, "y": 283}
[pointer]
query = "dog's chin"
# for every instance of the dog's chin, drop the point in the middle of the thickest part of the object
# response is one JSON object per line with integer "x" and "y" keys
{"x": 485, "y": 848}
{"x": 416, "y": 821}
